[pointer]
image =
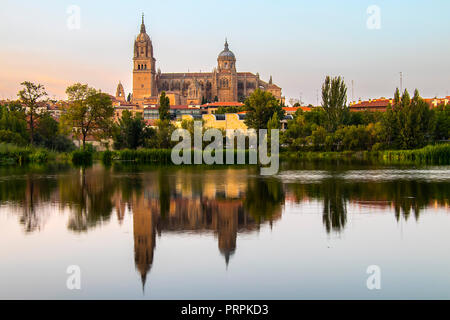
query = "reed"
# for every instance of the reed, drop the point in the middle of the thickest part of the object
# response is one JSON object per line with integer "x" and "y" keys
{"x": 163, "y": 156}
{"x": 82, "y": 157}
{"x": 12, "y": 154}
{"x": 432, "y": 154}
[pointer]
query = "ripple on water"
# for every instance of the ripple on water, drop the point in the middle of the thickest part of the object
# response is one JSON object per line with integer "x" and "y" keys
{"x": 432, "y": 174}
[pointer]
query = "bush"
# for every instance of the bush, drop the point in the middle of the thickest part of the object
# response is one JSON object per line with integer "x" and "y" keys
{"x": 7, "y": 136}
{"x": 40, "y": 156}
{"x": 107, "y": 156}
{"x": 10, "y": 153}
{"x": 82, "y": 157}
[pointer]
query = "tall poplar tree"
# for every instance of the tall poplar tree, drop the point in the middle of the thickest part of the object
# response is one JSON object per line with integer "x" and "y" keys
{"x": 334, "y": 101}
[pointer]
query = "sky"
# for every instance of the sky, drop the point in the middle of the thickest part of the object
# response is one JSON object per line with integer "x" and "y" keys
{"x": 299, "y": 43}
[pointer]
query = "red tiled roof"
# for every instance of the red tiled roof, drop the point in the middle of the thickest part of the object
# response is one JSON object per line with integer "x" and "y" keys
{"x": 223, "y": 104}
{"x": 294, "y": 109}
{"x": 372, "y": 104}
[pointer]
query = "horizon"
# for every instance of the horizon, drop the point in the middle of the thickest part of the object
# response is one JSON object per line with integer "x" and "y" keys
{"x": 100, "y": 52}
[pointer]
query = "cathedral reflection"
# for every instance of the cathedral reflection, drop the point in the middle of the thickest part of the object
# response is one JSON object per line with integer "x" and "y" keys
{"x": 221, "y": 202}
{"x": 197, "y": 203}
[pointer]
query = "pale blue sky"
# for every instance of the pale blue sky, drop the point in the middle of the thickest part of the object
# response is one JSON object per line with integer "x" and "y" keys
{"x": 297, "y": 42}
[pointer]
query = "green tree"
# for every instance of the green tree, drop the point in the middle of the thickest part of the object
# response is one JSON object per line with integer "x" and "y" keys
{"x": 274, "y": 122}
{"x": 164, "y": 107}
{"x": 164, "y": 134}
{"x": 31, "y": 95}
{"x": 130, "y": 132}
{"x": 316, "y": 116}
{"x": 318, "y": 138}
{"x": 260, "y": 106}
{"x": 47, "y": 127}
{"x": 409, "y": 123}
{"x": 442, "y": 122}
{"x": 89, "y": 112}
{"x": 13, "y": 124}
{"x": 334, "y": 101}
{"x": 48, "y": 135}
{"x": 230, "y": 109}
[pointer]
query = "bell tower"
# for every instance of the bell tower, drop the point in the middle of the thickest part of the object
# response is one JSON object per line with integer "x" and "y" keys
{"x": 144, "y": 82}
{"x": 226, "y": 77}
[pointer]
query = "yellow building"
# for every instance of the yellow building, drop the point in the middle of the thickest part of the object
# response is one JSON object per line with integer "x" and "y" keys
{"x": 228, "y": 121}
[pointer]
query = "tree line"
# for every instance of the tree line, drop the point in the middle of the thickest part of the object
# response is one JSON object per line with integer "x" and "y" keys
{"x": 407, "y": 124}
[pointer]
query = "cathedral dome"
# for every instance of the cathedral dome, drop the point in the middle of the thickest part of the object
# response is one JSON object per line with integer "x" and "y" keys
{"x": 226, "y": 54}
{"x": 143, "y": 37}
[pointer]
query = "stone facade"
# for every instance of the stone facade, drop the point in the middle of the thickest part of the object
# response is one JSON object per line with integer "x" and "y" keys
{"x": 223, "y": 84}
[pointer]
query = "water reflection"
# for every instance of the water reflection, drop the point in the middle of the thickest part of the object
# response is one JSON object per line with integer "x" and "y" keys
{"x": 224, "y": 202}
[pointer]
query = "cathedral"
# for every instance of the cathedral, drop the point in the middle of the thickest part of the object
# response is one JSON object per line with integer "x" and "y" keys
{"x": 223, "y": 84}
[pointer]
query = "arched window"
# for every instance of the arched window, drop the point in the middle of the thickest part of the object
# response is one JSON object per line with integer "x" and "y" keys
{"x": 139, "y": 67}
{"x": 145, "y": 67}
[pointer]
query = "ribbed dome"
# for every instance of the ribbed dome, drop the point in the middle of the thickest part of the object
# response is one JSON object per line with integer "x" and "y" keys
{"x": 143, "y": 37}
{"x": 226, "y": 54}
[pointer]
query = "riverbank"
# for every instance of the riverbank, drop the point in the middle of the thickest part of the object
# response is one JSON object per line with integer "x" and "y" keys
{"x": 432, "y": 154}
{"x": 15, "y": 155}
{"x": 12, "y": 155}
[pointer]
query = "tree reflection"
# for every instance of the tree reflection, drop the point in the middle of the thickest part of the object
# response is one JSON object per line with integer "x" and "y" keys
{"x": 402, "y": 196}
{"x": 334, "y": 206}
{"x": 221, "y": 202}
{"x": 88, "y": 193}
{"x": 264, "y": 198}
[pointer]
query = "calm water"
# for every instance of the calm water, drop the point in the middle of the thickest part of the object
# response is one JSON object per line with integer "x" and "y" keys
{"x": 197, "y": 233}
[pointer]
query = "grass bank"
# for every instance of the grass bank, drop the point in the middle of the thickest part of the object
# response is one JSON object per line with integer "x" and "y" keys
{"x": 163, "y": 156}
{"x": 11, "y": 154}
{"x": 432, "y": 154}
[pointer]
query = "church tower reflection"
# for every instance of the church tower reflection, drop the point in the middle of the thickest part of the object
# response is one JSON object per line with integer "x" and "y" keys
{"x": 195, "y": 205}
{"x": 144, "y": 231}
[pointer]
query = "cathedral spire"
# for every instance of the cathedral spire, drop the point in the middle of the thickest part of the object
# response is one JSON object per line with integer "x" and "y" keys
{"x": 226, "y": 44}
{"x": 143, "y": 25}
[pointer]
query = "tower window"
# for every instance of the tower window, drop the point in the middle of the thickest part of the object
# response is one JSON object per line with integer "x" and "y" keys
{"x": 139, "y": 67}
